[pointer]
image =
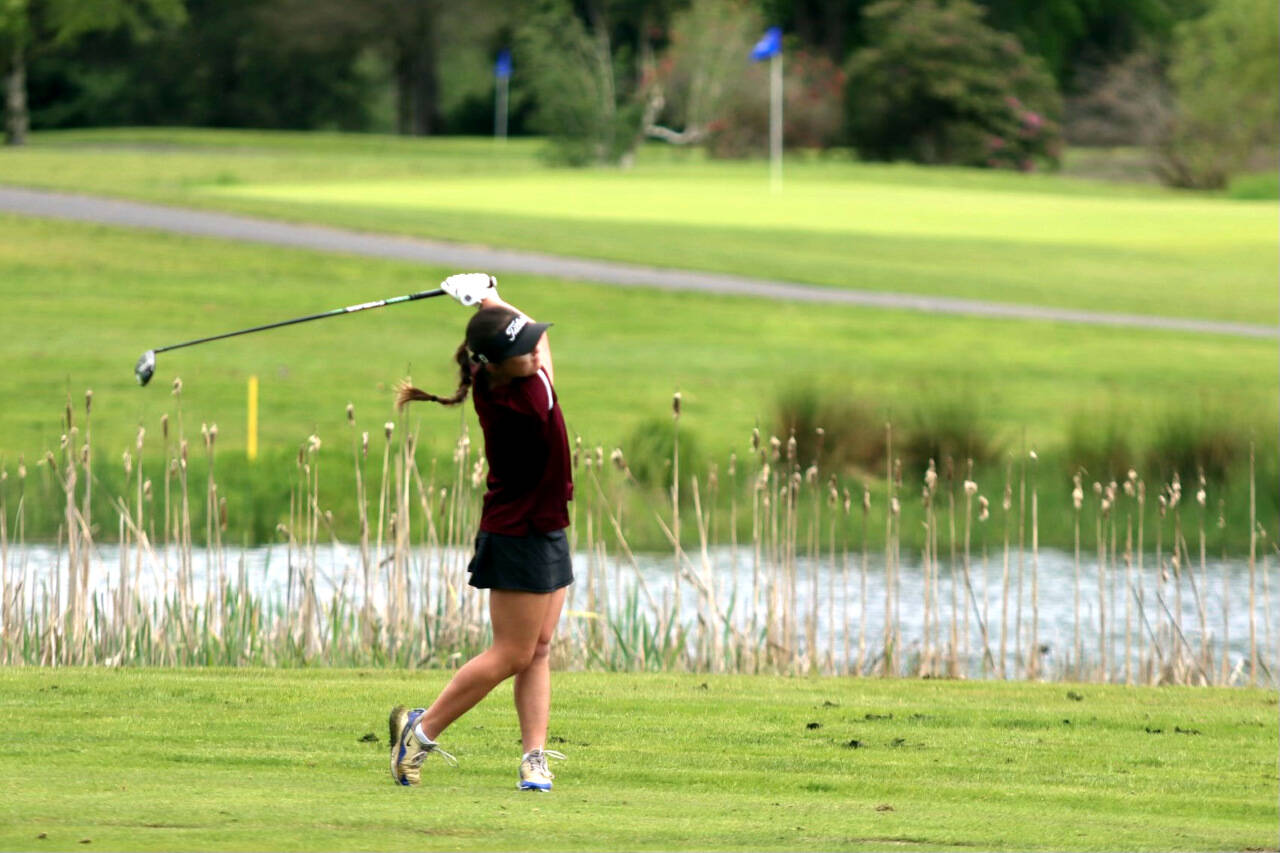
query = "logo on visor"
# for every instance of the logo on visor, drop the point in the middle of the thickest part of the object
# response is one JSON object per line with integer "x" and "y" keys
{"x": 516, "y": 325}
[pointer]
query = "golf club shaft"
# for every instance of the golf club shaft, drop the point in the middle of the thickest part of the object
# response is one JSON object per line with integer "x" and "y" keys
{"x": 350, "y": 309}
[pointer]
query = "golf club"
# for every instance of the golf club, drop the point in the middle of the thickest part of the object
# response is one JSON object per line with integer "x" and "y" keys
{"x": 146, "y": 365}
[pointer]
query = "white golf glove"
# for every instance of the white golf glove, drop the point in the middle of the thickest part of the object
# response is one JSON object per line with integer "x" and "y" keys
{"x": 470, "y": 288}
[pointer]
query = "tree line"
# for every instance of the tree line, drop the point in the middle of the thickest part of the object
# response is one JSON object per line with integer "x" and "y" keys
{"x": 983, "y": 82}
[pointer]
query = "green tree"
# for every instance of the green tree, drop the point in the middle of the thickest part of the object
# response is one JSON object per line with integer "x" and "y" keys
{"x": 587, "y": 102}
{"x": 936, "y": 84}
{"x": 30, "y": 29}
{"x": 1226, "y": 76}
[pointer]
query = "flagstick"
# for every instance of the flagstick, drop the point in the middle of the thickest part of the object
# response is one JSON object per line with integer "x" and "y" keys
{"x": 500, "y": 111}
{"x": 775, "y": 122}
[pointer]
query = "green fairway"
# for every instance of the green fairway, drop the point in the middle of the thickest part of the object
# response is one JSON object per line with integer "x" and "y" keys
{"x": 84, "y": 302}
{"x": 1040, "y": 240}
{"x": 92, "y": 299}
{"x": 251, "y": 760}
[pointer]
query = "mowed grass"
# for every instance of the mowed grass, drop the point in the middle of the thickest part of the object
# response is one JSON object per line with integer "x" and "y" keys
{"x": 83, "y": 302}
{"x": 291, "y": 760}
{"x": 1042, "y": 239}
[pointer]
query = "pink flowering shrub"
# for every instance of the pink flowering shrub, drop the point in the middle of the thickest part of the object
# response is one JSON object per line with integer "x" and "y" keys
{"x": 936, "y": 84}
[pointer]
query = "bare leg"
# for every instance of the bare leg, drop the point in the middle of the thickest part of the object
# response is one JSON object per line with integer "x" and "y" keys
{"x": 517, "y": 619}
{"x": 533, "y": 684}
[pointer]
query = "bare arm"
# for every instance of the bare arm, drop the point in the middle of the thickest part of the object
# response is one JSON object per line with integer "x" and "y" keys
{"x": 544, "y": 346}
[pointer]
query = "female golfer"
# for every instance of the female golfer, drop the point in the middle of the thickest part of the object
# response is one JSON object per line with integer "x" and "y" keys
{"x": 522, "y": 554}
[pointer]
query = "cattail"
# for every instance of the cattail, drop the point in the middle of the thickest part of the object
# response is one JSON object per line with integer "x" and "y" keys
{"x": 22, "y": 468}
{"x": 931, "y": 476}
{"x": 142, "y": 433}
{"x": 351, "y": 415}
{"x": 1200, "y": 495}
{"x": 1129, "y": 489}
{"x": 84, "y": 456}
{"x": 177, "y": 387}
{"x": 577, "y": 452}
{"x": 128, "y": 463}
{"x": 1097, "y": 489}
{"x": 924, "y": 497}
{"x": 1008, "y": 498}
{"x": 302, "y": 456}
{"x": 1077, "y": 493}
{"x": 1106, "y": 507}
{"x": 164, "y": 426}
{"x": 763, "y": 479}
{"x": 68, "y": 414}
{"x": 411, "y": 444}
{"x": 733, "y": 464}
{"x": 1033, "y": 455}
{"x": 755, "y": 440}
{"x": 146, "y": 489}
{"x": 675, "y": 404}
{"x": 588, "y": 461}
{"x": 222, "y": 513}
{"x": 49, "y": 460}
{"x": 848, "y": 501}
{"x": 970, "y": 488}
{"x": 617, "y": 459}
{"x": 4, "y": 474}
{"x": 833, "y": 494}
{"x": 364, "y": 445}
{"x": 984, "y": 509}
{"x": 388, "y": 428}
{"x": 791, "y": 448}
{"x": 1164, "y": 505}
{"x": 313, "y": 443}
{"x": 599, "y": 457}
{"x": 775, "y": 448}
{"x": 62, "y": 442}
{"x": 866, "y": 499}
{"x": 811, "y": 474}
{"x": 713, "y": 477}
{"x": 895, "y": 507}
{"x": 204, "y": 434}
{"x": 213, "y": 435}
{"x": 477, "y": 474}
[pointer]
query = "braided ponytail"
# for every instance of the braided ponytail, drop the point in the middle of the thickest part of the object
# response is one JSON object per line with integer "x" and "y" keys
{"x": 406, "y": 392}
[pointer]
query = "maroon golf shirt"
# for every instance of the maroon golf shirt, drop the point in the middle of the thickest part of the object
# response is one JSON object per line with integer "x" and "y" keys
{"x": 525, "y": 441}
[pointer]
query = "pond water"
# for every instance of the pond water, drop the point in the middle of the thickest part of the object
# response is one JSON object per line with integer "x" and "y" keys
{"x": 736, "y": 577}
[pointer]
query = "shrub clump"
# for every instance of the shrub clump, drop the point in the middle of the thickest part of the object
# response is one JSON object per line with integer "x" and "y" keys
{"x": 853, "y": 432}
{"x": 936, "y": 84}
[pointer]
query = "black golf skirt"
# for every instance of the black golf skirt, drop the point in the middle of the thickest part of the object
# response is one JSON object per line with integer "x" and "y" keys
{"x": 537, "y": 562}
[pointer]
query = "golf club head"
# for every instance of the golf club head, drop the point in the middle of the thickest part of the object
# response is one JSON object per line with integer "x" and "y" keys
{"x": 146, "y": 367}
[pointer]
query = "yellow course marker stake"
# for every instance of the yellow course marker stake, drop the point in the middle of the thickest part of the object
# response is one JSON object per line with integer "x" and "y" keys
{"x": 251, "y": 448}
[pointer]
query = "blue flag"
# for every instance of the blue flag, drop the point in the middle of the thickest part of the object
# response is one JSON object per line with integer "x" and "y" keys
{"x": 502, "y": 67}
{"x": 769, "y": 46}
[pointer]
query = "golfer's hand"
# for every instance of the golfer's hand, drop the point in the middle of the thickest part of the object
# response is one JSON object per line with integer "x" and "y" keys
{"x": 470, "y": 288}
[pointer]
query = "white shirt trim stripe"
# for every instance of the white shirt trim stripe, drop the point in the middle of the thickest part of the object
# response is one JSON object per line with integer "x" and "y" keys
{"x": 551, "y": 402}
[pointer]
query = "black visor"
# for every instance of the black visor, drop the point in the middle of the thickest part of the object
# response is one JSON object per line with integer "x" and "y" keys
{"x": 519, "y": 337}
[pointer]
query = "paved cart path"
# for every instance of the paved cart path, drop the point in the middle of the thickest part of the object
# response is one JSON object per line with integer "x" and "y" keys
{"x": 459, "y": 256}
